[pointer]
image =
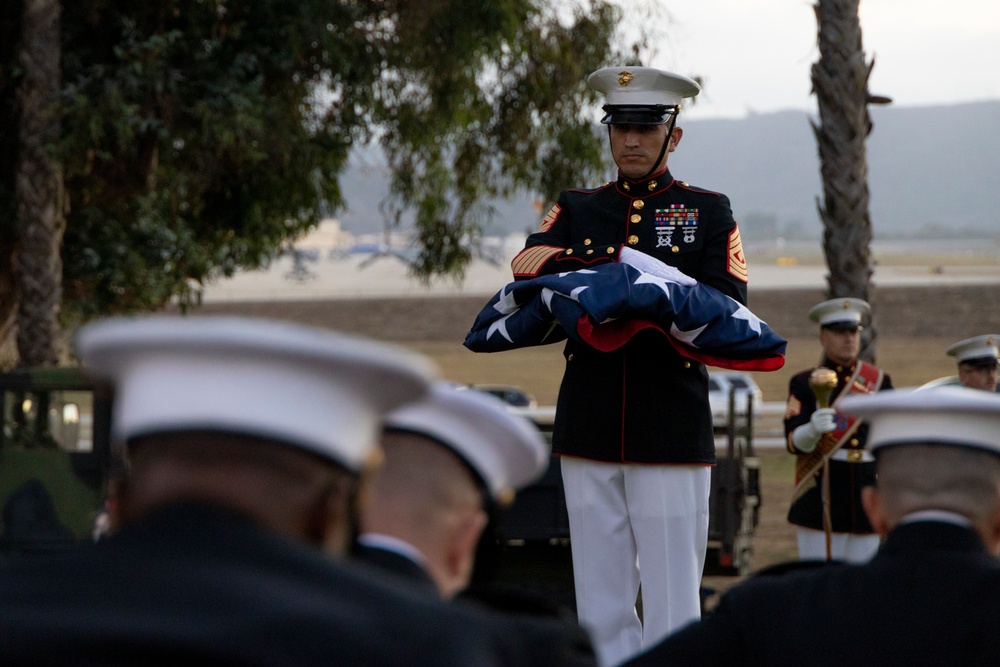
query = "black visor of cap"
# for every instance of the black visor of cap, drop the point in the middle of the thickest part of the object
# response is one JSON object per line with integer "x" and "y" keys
{"x": 641, "y": 114}
{"x": 845, "y": 325}
{"x": 981, "y": 362}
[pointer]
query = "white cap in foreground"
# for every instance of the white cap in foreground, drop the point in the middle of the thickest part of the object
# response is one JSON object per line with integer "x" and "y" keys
{"x": 940, "y": 415}
{"x": 504, "y": 449}
{"x": 318, "y": 390}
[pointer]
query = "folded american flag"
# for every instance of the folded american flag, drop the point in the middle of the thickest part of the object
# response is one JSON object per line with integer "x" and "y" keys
{"x": 606, "y": 305}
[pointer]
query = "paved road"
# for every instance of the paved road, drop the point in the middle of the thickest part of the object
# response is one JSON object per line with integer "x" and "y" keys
{"x": 388, "y": 277}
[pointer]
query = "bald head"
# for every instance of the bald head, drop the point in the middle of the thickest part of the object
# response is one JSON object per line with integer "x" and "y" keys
{"x": 424, "y": 473}
{"x": 427, "y": 496}
{"x": 281, "y": 487}
{"x": 916, "y": 477}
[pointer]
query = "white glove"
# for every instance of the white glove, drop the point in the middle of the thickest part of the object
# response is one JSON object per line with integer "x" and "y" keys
{"x": 649, "y": 264}
{"x": 806, "y": 437}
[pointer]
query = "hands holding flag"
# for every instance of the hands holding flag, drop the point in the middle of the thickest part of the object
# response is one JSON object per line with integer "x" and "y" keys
{"x": 606, "y": 305}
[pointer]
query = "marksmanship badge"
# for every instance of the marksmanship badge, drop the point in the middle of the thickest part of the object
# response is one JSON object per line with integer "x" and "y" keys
{"x": 677, "y": 217}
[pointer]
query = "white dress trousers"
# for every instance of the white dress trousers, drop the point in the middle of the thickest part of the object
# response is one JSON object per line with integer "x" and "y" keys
{"x": 634, "y": 524}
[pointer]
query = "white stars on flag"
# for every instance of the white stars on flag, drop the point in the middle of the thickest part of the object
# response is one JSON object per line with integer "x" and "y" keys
{"x": 743, "y": 313}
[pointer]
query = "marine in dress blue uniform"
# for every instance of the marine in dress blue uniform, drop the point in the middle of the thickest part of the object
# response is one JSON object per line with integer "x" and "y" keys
{"x": 634, "y": 426}
{"x": 850, "y": 467}
{"x": 247, "y": 441}
{"x": 977, "y": 359}
{"x": 449, "y": 460}
{"x": 928, "y": 596}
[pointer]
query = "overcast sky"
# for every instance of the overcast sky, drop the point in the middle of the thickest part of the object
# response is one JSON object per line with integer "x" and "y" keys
{"x": 755, "y": 55}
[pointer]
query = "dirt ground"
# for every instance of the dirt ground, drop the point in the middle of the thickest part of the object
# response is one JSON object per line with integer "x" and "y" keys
{"x": 914, "y": 327}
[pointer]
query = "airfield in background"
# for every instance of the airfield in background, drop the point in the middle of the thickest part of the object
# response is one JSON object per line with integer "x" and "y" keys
{"x": 331, "y": 264}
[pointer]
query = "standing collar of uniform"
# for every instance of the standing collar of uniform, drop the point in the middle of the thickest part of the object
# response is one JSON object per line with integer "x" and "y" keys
{"x": 937, "y": 515}
{"x": 393, "y": 544}
{"x": 841, "y": 370}
{"x": 643, "y": 187}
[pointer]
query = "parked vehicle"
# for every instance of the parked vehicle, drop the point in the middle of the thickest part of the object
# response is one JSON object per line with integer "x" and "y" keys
{"x": 947, "y": 381}
{"x": 742, "y": 385}
{"x": 54, "y": 458}
{"x": 512, "y": 396}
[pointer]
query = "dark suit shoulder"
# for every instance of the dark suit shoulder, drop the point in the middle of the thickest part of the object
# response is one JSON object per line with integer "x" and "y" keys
{"x": 797, "y": 567}
{"x": 204, "y": 568}
{"x": 397, "y": 566}
{"x": 573, "y": 193}
{"x": 695, "y": 189}
{"x": 800, "y": 380}
{"x": 542, "y": 641}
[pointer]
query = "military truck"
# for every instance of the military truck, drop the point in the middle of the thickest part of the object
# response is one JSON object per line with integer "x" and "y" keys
{"x": 54, "y": 458}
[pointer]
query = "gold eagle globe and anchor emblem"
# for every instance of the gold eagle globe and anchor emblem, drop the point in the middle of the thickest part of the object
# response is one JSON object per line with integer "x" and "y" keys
{"x": 624, "y": 78}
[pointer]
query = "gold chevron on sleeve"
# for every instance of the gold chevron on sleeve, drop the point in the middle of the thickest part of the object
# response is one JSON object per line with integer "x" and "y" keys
{"x": 550, "y": 218}
{"x": 530, "y": 260}
{"x": 737, "y": 261}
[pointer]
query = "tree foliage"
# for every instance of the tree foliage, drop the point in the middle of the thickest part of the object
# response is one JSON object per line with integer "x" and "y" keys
{"x": 199, "y": 136}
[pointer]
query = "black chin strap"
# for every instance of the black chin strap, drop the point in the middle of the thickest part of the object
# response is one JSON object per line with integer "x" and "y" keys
{"x": 663, "y": 148}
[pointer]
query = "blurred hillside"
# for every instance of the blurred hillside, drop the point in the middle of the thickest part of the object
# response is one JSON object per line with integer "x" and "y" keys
{"x": 932, "y": 174}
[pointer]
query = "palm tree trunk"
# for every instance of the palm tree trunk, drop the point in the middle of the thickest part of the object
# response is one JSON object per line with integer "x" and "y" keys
{"x": 840, "y": 81}
{"x": 8, "y": 304}
{"x": 39, "y": 189}
{"x": 10, "y": 39}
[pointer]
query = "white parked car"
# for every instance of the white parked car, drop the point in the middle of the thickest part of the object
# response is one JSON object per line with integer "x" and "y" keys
{"x": 947, "y": 381}
{"x": 721, "y": 383}
{"x": 513, "y": 396}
